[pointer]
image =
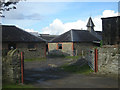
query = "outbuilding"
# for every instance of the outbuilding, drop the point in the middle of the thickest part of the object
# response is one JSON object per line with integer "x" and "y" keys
{"x": 14, "y": 37}
{"x": 75, "y": 42}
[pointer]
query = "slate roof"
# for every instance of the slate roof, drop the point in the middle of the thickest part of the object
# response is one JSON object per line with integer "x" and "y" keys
{"x": 15, "y": 34}
{"x": 90, "y": 23}
{"x": 47, "y": 37}
{"x": 74, "y": 35}
{"x": 99, "y": 32}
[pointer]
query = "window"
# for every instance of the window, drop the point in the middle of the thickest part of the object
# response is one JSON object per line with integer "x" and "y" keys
{"x": 31, "y": 46}
{"x": 59, "y": 46}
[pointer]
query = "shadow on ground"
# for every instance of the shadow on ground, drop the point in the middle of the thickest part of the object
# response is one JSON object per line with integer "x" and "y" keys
{"x": 47, "y": 74}
{"x": 36, "y": 72}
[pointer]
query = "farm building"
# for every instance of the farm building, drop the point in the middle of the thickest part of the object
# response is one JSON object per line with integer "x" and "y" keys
{"x": 75, "y": 42}
{"x": 14, "y": 37}
{"x": 111, "y": 30}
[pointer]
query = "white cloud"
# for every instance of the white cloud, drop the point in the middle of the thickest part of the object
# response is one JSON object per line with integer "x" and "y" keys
{"x": 58, "y": 27}
{"x": 30, "y": 30}
{"x": 109, "y": 13}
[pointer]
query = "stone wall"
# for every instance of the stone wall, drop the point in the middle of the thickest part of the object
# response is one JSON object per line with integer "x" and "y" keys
{"x": 11, "y": 67}
{"x": 70, "y": 48}
{"x": 108, "y": 60}
{"x": 52, "y": 46}
{"x": 37, "y": 52}
{"x": 66, "y": 48}
{"x": 82, "y": 48}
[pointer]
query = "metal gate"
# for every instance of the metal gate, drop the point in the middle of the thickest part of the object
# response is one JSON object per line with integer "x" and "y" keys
{"x": 92, "y": 58}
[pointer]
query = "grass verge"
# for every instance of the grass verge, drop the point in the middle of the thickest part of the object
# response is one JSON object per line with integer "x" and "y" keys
{"x": 34, "y": 59}
{"x": 17, "y": 86}
{"x": 85, "y": 69}
{"x": 56, "y": 56}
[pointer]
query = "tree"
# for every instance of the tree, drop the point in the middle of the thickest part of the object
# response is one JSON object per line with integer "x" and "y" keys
{"x": 7, "y": 5}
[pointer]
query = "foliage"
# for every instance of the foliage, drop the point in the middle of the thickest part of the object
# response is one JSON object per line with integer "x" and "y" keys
{"x": 85, "y": 69}
{"x": 6, "y": 5}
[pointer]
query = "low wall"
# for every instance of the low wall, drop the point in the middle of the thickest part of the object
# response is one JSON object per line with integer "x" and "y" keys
{"x": 107, "y": 59}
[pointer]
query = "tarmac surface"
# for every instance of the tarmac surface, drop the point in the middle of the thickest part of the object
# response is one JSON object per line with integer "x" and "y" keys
{"x": 46, "y": 74}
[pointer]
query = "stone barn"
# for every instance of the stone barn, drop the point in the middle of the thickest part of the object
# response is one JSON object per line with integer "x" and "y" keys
{"x": 111, "y": 30}
{"x": 14, "y": 37}
{"x": 75, "y": 42}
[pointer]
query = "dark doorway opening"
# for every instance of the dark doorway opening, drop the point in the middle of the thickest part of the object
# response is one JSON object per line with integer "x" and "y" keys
{"x": 11, "y": 46}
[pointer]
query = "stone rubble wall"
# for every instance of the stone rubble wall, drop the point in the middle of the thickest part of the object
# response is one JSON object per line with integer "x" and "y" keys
{"x": 108, "y": 59}
{"x": 11, "y": 67}
{"x": 66, "y": 49}
{"x": 82, "y": 48}
{"x": 38, "y": 52}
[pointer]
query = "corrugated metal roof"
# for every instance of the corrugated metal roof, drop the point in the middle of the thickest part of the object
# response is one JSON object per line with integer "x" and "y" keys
{"x": 15, "y": 34}
{"x": 76, "y": 36}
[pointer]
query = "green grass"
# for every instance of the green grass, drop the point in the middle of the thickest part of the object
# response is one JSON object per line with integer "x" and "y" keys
{"x": 85, "y": 69}
{"x": 17, "y": 86}
{"x": 55, "y": 55}
{"x": 34, "y": 59}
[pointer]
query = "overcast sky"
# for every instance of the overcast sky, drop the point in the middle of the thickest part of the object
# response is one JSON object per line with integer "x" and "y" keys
{"x": 59, "y": 17}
